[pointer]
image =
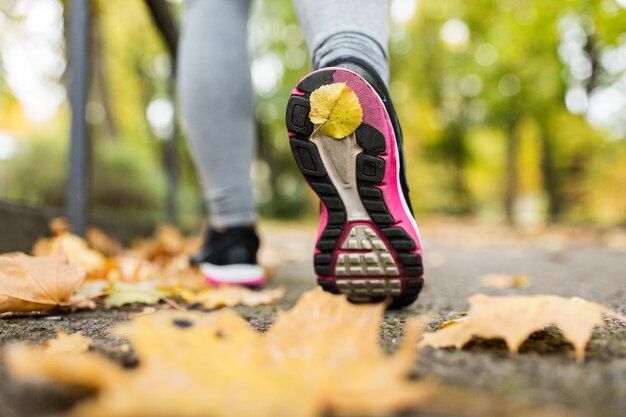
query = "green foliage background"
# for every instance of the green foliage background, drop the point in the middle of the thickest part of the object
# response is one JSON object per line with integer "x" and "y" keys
{"x": 487, "y": 131}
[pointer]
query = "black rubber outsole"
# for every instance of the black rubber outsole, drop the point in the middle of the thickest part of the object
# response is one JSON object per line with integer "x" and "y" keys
{"x": 370, "y": 172}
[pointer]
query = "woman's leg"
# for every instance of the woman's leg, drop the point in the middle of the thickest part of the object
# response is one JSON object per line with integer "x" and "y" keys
{"x": 336, "y": 30}
{"x": 215, "y": 91}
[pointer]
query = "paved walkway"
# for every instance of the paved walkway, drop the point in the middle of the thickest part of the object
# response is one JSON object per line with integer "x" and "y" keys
{"x": 545, "y": 373}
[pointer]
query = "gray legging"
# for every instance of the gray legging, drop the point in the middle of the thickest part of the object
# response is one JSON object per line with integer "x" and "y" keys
{"x": 215, "y": 87}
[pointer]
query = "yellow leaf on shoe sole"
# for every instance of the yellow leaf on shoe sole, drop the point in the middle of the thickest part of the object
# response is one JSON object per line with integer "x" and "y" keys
{"x": 337, "y": 109}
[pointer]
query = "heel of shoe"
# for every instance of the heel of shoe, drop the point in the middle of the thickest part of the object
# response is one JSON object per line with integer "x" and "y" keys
{"x": 397, "y": 292}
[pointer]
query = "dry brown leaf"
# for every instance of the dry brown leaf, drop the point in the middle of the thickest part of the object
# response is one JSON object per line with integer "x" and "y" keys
{"x": 168, "y": 241}
{"x": 29, "y": 283}
{"x": 514, "y": 318}
{"x": 323, "y": 355}
{"x": 76, "y": 250}
{"x": 67, "y": 343}
{"x": 228, "y": 296}
{"x": 59, "y": 226}
{"x": 131, "y": 268}
{"x": 504, "y": 281}
{"x": 101, "y": 242}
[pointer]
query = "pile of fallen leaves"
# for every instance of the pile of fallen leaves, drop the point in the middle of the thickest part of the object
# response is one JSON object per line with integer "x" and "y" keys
{"x": 69, "y": 271}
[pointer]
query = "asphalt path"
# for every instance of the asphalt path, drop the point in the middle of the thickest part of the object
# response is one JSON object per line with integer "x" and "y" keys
{"x": 543, "y": 374}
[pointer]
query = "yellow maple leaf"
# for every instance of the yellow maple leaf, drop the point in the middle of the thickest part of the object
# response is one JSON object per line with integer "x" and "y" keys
{"x": 336, "y": 108}
{"x": 31, "y": 283}
{"x": 323, "y": 355}
{"x": 514, "y": 318}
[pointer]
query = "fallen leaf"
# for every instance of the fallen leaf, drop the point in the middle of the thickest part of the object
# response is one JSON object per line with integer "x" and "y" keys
{"x": 123, "y": 293}
{"x": 168, "y": 242}
{"x": 67, "y": 343}
{"x": 101, "y": 242}
{"x": 187, "y": 278}
{"x": 131, "y": 268}
{"x": 29, "y": 283}
{"x": 59, "y": 226}
{"x": 322, "y": 356}
{"x": 87, "y": 369}
{"x": 76, "y": 250}
{"x": 336, "y": 108}
{"x": 170, "y": 239}
{"x": 228, "y": 296}
{"x": 514, "y": 318}
{"x": 503, "y": 281}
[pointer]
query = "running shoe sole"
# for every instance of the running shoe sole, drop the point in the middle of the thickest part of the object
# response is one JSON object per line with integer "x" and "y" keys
{"x": 368, "y": 244}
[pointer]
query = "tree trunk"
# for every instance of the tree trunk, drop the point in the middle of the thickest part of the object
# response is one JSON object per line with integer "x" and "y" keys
{"x": 459, "y": 156}
{"x": 549, "y": 174}
{"x": 100, "y": 85}
{"x": 511, "y": 175}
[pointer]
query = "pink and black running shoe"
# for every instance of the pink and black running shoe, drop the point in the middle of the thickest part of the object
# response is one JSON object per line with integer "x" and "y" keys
{"x": 368, "y": 244}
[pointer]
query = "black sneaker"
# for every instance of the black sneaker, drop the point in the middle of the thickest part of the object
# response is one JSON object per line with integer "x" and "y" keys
{"x": 368, "y": 244}
{"x": 229, "y": 257}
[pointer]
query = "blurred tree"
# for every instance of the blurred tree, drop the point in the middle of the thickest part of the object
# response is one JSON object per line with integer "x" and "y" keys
{"x": 497, "y": 63}
{"x": 511, "y": 109}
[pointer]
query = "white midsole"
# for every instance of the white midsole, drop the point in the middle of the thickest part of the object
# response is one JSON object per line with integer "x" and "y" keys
{"x": 233, "y": 274}
{"x": 339, "y": 160}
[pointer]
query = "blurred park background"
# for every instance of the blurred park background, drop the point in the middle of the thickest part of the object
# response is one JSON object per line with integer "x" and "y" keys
{"x": 513, "y": 111}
